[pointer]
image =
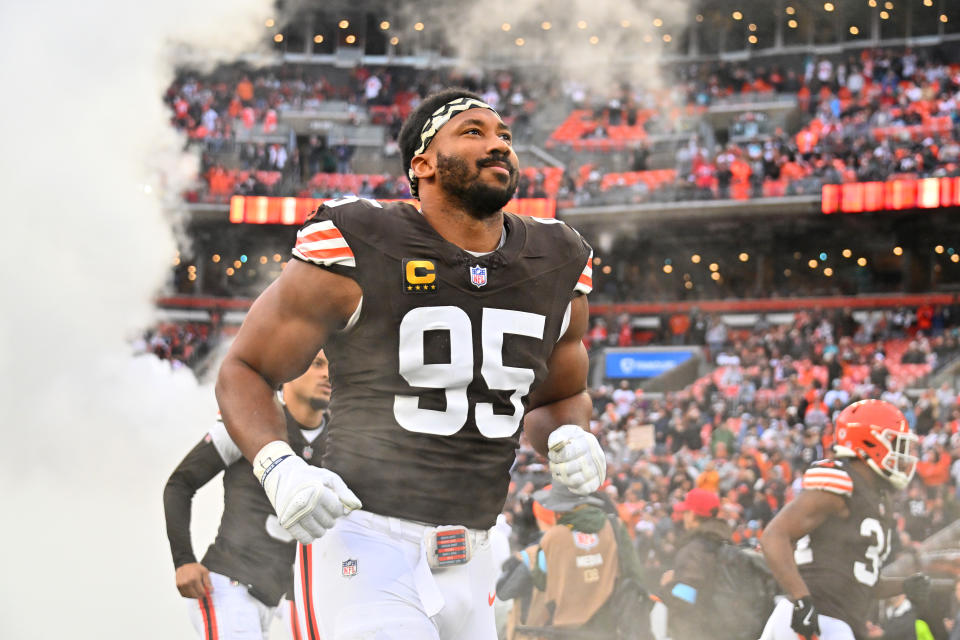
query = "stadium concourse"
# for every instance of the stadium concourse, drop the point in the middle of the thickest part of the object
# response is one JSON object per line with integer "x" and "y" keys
{"x": 705, "y": 199}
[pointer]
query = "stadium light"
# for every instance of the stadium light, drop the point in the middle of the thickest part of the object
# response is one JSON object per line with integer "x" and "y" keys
{"x": 752, "y": 39}
{"x": 695, "y": 258}
{"x": 688, "y": 285}
{"x": 828, "y": 272}
{"x": 888, "y": 6}
{"x": 594, "y": 39}
{"x": 955, "y": 258}
{"x": 418, "y": 26}
{"x": 667, "y": 268}
{"x": 350, "y": 39}
{"x": 581, "y": 24}
{"x": 788, "y": 272}
{"x": 230, "y": 271}
{"x": 828, "y": 6}
{"x": 714, "y": 267}
{"x": 657, "y": 22}
{"x": 792, "y": 24}
{"x": 898, "y": 251}
{"x": 597, "y": 261}
{"x": 606, "y": 269}
{"x": 625, "y": 24}
{"x": 790, "y": 10}
{"x": 884, "y": 15}
{"x": 872, "y": 3}
{"x": 215, "y": 258}
{"x": 269, "y": 22}
{"x": 928, "y": 3}
{"x": 519, "y": 42}
{"x": 667, "y": 37}
{"x": 394, "y": 40}
{"x": 545, "y": 26}
{"x": 854, "y": 30}
{"x": 862, "y": 261}
{"x": 938, "y": 248}
{"x": 752, "y": 27}
{"x": 278, "y": 37}
{"x": 263, "y": 259}
{"x": 343, "y": 24}
{"x": 505, "y": 26}
{"x": 699, "y": 17}
{"x": 744, "y": 256}
{"x": 812, "y": 263}
{"x": 736, "y": 15}
{"x": 385, "y": 25}
{"x": 715, "y": 276}
{"x": 943, "y": 17}
{"x": 847, "y": 253}
{"x": 318, "y": 39}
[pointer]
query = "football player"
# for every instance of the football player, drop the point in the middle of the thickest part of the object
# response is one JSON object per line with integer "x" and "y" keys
{"x": 446, "y": 327}
{"x": 827, "y": 546}
{"x": 249, "y": 566}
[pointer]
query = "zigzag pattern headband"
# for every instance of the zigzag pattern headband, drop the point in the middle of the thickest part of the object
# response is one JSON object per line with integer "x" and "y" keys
{"x": 436, "y": 120}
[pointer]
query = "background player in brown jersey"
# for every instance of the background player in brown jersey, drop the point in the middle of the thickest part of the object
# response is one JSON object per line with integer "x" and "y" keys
{"x": 446, "y": 327}
{"x": 249, "y": 567}
{"x": 827, "y": 546}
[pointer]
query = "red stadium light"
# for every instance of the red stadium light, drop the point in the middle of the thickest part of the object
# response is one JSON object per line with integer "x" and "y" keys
{"x": 851, "y": 197}
{"x": 830, "y": 198}
{"x": 872, "y": 196}
{"x": 896, "y": 195}
{"x": 292, "y": 211}
{"x": 929, "y": 193}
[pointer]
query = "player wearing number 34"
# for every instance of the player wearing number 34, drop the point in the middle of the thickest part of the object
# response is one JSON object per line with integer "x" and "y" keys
{"x": 827, "y": 546}
{"x": 447, "y": 328}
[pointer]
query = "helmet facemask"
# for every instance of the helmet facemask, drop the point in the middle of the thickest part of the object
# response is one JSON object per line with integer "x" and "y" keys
{"x": 899, "y": 463}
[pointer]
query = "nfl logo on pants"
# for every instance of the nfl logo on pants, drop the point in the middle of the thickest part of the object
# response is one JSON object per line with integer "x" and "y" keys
{"x": 478, "y": 276}
{"x": 349, "y": 568}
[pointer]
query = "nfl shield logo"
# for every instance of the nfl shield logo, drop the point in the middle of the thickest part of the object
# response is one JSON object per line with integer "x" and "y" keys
{"x": 349, "y": 568}
{"x": 478, "y": 276}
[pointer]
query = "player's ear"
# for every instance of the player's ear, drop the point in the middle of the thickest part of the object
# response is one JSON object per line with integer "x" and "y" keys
{"x": 423, "y": 166}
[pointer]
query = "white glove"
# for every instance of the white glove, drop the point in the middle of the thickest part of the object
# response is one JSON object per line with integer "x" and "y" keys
{"x": 307, "y": 499}
{"x": 576, "y": 459}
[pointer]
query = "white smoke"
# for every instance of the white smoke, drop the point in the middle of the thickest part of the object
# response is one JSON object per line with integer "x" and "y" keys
{"x": 91, "y": 433}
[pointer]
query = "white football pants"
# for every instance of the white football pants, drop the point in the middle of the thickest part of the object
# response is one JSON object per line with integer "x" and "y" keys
{"x": 778, "y": 625}
{"x": 229, "y": 612}
{"x": 368, "y": 579}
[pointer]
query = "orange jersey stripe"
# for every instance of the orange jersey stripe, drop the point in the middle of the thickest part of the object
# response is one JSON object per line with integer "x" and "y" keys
{"x": 830, "y": 486}
{"x": 323, "y": 254}
{"x": 585, "y": 279}
{"x": 323, "y": 234}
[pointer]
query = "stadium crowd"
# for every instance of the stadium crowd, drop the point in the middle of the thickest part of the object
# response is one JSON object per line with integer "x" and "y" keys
{"x": 881, "y": 114}
{"x": 749, "y": 429}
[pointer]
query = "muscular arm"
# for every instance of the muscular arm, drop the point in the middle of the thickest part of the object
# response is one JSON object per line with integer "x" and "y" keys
{"x": 282, "y": 333}
{"x": 808, "y": 511}
{"x": 562, "y": 398}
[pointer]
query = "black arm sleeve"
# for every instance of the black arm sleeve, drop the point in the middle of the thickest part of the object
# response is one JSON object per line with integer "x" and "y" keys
{"x": 195, "y": 470}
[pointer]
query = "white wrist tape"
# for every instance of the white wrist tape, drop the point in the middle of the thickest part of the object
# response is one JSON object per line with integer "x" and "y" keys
{"x": 269, "y": 457}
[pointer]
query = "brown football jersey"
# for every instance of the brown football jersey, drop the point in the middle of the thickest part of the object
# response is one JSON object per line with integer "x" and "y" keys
{"x": 840, "y": 560}
{"x": 432, "y": 375}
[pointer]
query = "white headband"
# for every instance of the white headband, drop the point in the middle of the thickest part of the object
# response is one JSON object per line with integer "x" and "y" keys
{"x": 436, "y": 120}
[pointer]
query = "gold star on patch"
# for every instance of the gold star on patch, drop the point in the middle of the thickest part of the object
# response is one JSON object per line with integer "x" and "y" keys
{"x": 409, "y": 288}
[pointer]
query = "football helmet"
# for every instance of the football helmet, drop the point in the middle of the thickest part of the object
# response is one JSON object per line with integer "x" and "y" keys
{"x": 877, "y": 432}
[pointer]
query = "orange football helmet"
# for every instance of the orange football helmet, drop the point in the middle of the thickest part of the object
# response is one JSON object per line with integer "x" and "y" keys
{"x": 877, "y": 432}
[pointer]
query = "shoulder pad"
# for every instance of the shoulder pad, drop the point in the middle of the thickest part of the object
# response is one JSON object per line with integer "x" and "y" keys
{"x": 828, "y": 475}
{"x": 575, "y": 245}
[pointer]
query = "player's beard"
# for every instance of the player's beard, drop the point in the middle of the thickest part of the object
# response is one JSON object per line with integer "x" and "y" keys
{"x": 479, "y": 199}
{"x": 317, "y": 403}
